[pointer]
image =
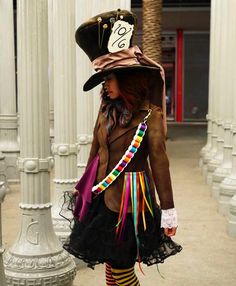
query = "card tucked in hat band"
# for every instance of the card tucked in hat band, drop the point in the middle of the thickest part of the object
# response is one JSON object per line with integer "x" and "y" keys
{"x": 120, "y": 36}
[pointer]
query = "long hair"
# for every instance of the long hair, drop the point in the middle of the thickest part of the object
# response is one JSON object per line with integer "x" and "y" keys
{"x": 138, "y": 85}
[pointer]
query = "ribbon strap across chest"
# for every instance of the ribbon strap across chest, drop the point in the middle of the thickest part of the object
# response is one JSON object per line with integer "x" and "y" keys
{"x": 126, "y": 158}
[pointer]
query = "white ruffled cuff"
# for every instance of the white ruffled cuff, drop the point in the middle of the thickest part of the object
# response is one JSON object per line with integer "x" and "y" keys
{"x": 169, "y": 218}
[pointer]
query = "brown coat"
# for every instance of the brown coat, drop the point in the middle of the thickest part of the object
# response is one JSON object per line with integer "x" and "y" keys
{"x": 113, "y": 148}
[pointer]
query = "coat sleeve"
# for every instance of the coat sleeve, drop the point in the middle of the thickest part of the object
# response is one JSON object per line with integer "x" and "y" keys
{"x": 158, "y": 159}
{"x": 95, "y": 144}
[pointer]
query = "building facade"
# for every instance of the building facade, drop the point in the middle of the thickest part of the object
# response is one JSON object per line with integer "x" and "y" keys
{"x": 185, "y": 56}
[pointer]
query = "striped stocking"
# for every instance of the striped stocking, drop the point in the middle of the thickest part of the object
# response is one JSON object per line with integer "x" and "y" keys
{"x": 125, "y": 277}
{"x": 110, "y": 281}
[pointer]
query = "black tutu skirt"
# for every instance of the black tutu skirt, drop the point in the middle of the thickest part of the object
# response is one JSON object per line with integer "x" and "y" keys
{"x": 94, "y": 240}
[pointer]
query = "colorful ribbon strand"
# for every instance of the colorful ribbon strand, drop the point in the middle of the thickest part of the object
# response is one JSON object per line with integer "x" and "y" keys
{"x": 136, "y": 189}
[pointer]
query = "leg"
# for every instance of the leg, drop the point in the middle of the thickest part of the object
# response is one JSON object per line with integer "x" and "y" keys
{"x": 110, "y": 281}
{"x": 125, "y": 277}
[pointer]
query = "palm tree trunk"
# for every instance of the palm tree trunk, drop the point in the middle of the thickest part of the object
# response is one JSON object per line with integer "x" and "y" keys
{"x": 152, "y": 12}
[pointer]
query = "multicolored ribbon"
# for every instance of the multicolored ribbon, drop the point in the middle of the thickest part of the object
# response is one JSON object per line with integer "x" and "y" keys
{"x": 136, "y": 189}
{"x": 126, "y": 158}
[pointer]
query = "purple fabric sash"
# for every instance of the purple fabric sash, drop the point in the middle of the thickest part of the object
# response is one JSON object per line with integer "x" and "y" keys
{"x": 84, "y": 188}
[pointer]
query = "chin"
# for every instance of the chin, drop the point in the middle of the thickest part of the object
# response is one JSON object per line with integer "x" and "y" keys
{"x": 113, "y": 96}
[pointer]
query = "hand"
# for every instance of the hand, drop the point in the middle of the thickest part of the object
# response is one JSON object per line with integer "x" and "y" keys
{"x": 170, "y": 231}
{"x": 75, "y": 192}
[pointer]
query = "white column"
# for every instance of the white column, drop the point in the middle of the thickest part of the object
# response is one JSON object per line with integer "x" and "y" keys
{"x": 224, "y": 168}
{"x": 217, "y": 159}
{"x": 2, "y": 272}
{"x": 85, "y": 116}
{"x": 8, "y": 117}
{"x": 228, "y": 186}
{"x": 3, "y": 171}
{"x": 64, "y": 147}
{"x": 231, "y": 227}
{"x": 37, "y": 256}
{"x": 213, "y": 87}
{"x": 211, "y": 101}
{"x": 50, "y": 68}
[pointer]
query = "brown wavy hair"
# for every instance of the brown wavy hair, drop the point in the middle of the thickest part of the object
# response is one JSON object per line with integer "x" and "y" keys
{"x": 138, "y": 85}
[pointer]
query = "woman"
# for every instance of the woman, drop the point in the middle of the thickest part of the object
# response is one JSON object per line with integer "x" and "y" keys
{"x": 124, "y": 223}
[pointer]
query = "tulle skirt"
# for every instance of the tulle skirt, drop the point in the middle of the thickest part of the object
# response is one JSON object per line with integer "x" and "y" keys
{"x": 94, "y": 240}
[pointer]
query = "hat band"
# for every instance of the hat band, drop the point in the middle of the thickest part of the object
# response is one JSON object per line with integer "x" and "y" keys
{"x": 126, "y": 57}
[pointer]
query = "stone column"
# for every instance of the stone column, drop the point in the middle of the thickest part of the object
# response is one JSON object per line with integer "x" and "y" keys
{"x": 64, "y": 147}
{"x": 213, "y": 94}
{"x": 224, "y": 168}
{"x": 85, "y": 115}
{"x": 227, "y": 188}
{"x": 217, "y": 159}
{"x": 50, "y": 68}
{"x": 209, "y": 116}
{"x": 231, "y": 227}
{"x": 3, "y": 172}
{"x": 36, "y": 257}
{"x": 8, "y": 118}
{"x": 2, "y": 272}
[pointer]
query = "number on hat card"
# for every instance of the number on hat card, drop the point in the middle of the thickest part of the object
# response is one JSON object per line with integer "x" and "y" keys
{"x": 120, "y": 36}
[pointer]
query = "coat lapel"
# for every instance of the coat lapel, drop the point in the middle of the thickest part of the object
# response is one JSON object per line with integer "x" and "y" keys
{"x": 103, "y": 123}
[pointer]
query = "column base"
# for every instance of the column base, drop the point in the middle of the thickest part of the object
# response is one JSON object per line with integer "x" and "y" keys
{"x": 212, "y": 165}
{"x": 61, "y": 228}
{"x": 231, "y": 227}
{"x": 61, "y": 225}
{"x": 37, "y": 257}
{"x": 200, "y": 163}
{"x": 217, "y": 177}
{"x": 206, "y": 159}
{"x": 12, "y": 172}
{"x": 203, "y": 153}
{"x": 204, "y": 169}
{"x": 2, "y": 273}
{"x": 226, "y": 191}
{"x": 51, "y": 270}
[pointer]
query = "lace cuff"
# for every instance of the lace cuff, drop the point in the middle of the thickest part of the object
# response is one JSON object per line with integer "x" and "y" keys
{"x": 169, "y": 218}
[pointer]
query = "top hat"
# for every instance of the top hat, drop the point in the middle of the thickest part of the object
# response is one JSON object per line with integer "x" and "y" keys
{"x": 107, "y": 41}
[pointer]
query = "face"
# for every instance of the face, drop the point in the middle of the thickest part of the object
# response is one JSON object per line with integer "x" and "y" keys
{"x": 111, "y": 86}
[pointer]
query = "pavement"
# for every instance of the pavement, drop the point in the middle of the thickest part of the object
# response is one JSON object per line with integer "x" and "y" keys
{"x": 208, "y": 257}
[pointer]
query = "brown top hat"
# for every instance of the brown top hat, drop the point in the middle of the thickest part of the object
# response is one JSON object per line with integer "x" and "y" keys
{"x": 107, "y": 41}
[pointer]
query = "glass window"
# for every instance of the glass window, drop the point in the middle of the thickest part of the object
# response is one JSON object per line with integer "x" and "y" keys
{"x": 196, "y": 67}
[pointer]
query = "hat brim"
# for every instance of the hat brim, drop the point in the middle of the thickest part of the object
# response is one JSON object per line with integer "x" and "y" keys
{"x": 98, "y": 77}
